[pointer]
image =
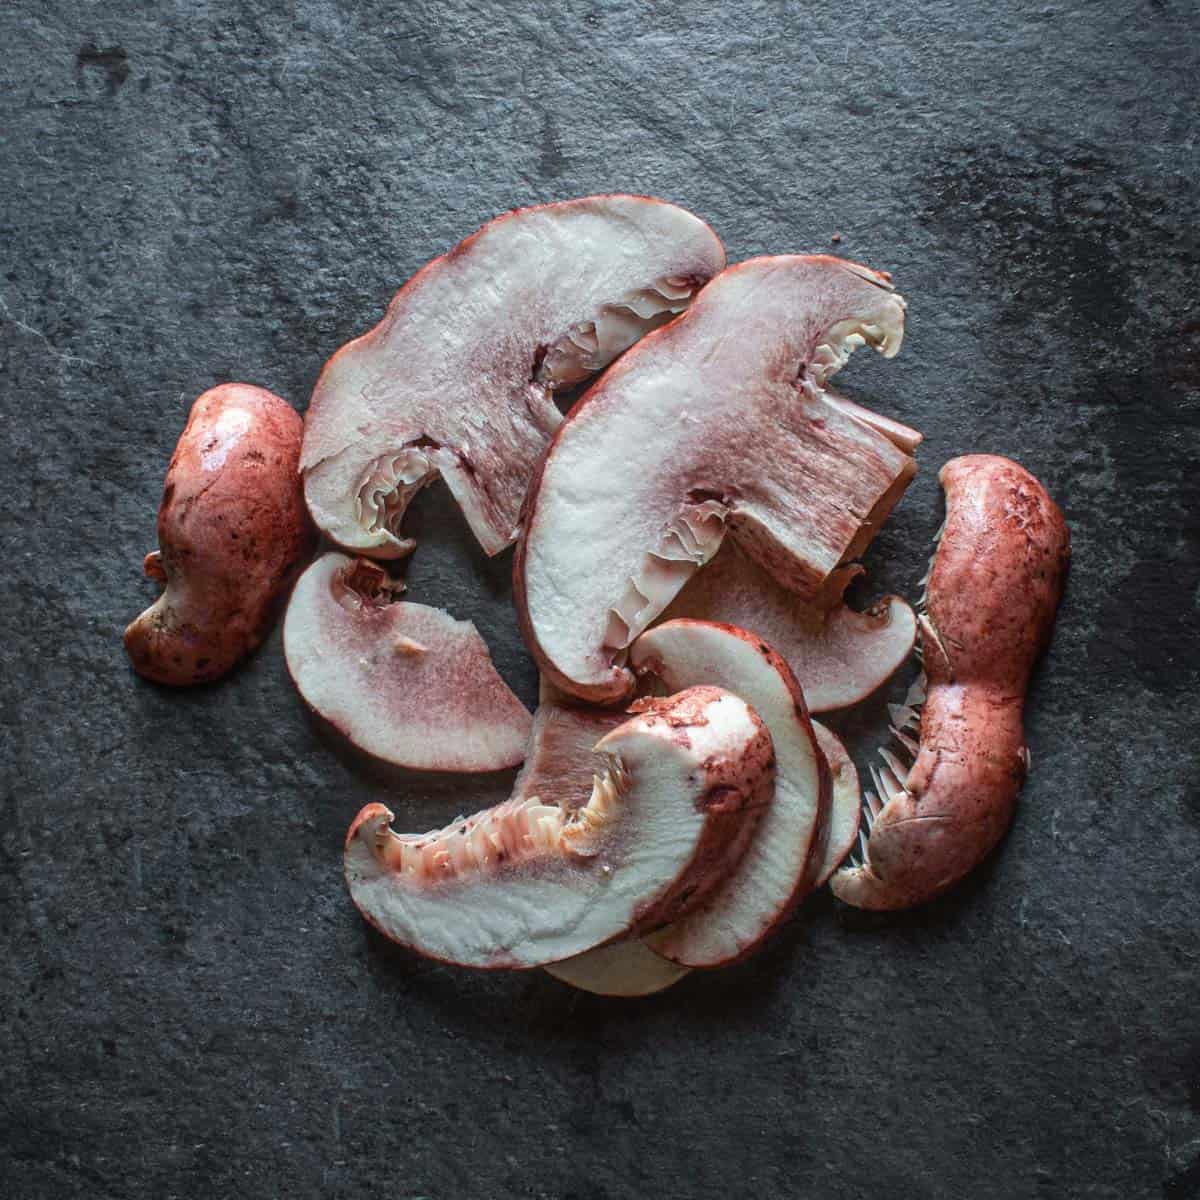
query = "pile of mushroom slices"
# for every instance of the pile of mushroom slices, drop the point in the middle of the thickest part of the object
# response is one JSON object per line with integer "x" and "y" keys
{"x": 685, "y": 535}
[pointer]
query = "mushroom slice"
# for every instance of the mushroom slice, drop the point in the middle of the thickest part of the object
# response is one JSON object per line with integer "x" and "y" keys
{"x": 631, "y": 969}
{"x": 404, "y": 682}
{"x": 626, "y": 969}
{"x": 845, "y": 810}
{"x": 840, "y": 655}
{"x": 458, "y": 379}
{"x": 788, "y": 851}
{"x": 558, "y": 769}
{"x": 718, "y": 423}
{"x": 677, "y": 795}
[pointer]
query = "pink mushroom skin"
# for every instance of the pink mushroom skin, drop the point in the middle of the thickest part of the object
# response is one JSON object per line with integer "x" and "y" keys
{"x": 997, "y": 579}
{"x": 233, "y": 531}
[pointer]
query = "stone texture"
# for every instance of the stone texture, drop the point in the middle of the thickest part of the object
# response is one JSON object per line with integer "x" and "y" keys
{"x": 211, "y": 191}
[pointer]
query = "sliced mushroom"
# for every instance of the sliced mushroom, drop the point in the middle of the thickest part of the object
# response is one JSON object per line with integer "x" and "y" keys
{"x": 788, "y": 850}
{"x": 626, "y": 969}
{"x": 845, "y": 809}
{"x": 631, "y": 968}
{"x": 679, "y": 793}
{"x": 717, "y": 423}
{"x": 458, "y": 379}
{"x": 839, "y": 655}
{"x": 404, "y": 682}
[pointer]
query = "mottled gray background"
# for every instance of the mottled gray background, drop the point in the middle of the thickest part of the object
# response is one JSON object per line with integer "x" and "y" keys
{"x": 198, "y": 192}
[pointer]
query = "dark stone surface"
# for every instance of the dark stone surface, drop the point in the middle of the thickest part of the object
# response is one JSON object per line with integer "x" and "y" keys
{"x": 209, "y": 191}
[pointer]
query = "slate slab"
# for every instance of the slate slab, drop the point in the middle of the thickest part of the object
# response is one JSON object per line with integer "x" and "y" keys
{"x": 199, "y": 192}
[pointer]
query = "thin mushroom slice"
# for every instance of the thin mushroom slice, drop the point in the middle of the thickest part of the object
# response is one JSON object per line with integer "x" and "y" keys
{"x": 845, "y": 810}
{"x": 840, "y": 656}
{"x": 458, "y": 379}
{"x": 788, "y": 852}
{"x": 679, "y": 790}
{"x": 717, "y": 424}
{"x": 625, "y": 969}
{"x": 404, "y": 682}
{"x": 558, "y": 768}
{"x": 631, "y": 968}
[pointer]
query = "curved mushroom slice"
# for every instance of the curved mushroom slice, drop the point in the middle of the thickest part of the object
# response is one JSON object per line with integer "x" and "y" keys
{"x": 626, "y": 969}
{"x": 840, "y": 655}
{"x": 404, "y": 682}
{"x": 558, "y": 770}
{"x": 845, "y": 809}
{"x": 631, "y": 969}
{"x": 524, "y": 884}
{"x": 458, "y": 378}
{"x": 718, "y": 422}
{"x": 787, "y": 853}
